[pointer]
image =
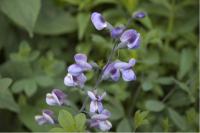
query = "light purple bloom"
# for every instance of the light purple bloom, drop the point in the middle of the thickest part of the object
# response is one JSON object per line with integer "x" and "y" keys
{"x": 139, "y": 15}
{"x": 45, "y": 118}
{"x": 80, "y": 66}
{"x": 126, "y": 69}
{"x": 116, "y": 32}
{"x": 73, "y": 81}
{"x": 111, "y": 72}
{"x": 101, "y": 120}
{"x": 56, "y": 97}
{"x": 96, "y": 104}
{"x": 131, "y": 38}
{"x": 98, "y": 21}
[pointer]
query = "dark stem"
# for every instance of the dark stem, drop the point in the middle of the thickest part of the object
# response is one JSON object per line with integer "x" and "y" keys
{"x": 168, "y": 95}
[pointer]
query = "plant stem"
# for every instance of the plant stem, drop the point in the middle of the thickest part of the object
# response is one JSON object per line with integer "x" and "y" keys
{"x": 168, "y": 95}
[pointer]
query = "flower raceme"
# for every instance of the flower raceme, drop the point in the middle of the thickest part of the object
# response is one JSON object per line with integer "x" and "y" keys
{"x": 45, "y": 118}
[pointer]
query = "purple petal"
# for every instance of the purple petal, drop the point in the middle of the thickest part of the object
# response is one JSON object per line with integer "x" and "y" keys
{"x": 40, "y": 119}
{"x": 116, "y": 32}
{"x": 47, "y": 114}
{"x": 81, "y": 79}
{"x": 100, "y": 106}
{"x": 94, "y": 123}
{"x": 75, "y": 69}
{"x": 100, "y": 98}
{"x": 50, "y": 100}
{"x": 122, "y": 65}
{"x": 139, "y": 15}
{"x": 69, "y": 81}
{"x": 93, "y": 106}
{"x": 80, "y": 57}
{"x": 98, "y": 21}
{"x": 91, "y": 95}
{"x": 115, "y": 75}
{"x": 85, "y": 66}
{"x": 132, "y": 62}
{"x": 100, "y": 117}
{"x": 128, "y": 75}
{"x": 106, "y": 112}
{"x": 135, "y": 43}
{"x": 105, "y": 125}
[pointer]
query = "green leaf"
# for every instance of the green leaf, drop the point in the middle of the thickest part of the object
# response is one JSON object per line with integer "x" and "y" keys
{"x": 186, "y": 62}
{"x": 140, "y": 118}
{"x": 23, "y": 12}
{"x": 147, "y": 85}
{"x": 80, "y": 120}
{"x": 53, "y": 20}
{"x": 82, "y": 20}
{"x": 165, "y": 124}
{"x": 57, "y": 129}
{"x": 124, "y": 126}
{"x": 178, "y": 120}
{"x": 5, "y": 83}
{"x": 66, "y": 120}
{"x": 165, "y": 80}
{"x": 154, "y": 105}
{"x": 44, "y": 81}
{"x": 7, "y": 101}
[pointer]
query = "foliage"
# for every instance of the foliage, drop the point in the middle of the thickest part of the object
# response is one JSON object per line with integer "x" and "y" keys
{"x": 38, "y": 39}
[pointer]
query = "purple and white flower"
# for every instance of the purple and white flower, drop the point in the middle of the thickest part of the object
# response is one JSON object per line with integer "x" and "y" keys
{"x": 96, "y": 101}
{"x": 139, "y": 15}
{"x": 98, "y": 21}
{"x": 45, "y": 118}
{"x": 101, "y": 120}
{"x": 126, "y": 69}
{"x": 80, "y": 66}
{"x": 131, "y": 39}
{"x": 56, "y": 97}
{"x": 111, "y": 72}
{"x": 73, "y": 81}
{"x": 116, "y": 32}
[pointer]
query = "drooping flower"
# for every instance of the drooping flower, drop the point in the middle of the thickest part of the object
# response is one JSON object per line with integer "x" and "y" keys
{"x": 98, "y": 21}
{"x": 73, "y": 81}
{"x": 131, "y": 39}
{"x": 96, "y": 101}
{"x": 56, "y": 97}
{"x": 116, "y": 32}
{"x": 101, "y": 120}
{"x": 139, "y": 15}
{"x": 111, "y": 72}
{"x": 45, "y": 118}
{"x": 126, "y": 69}
{"x": 80, "y": 66}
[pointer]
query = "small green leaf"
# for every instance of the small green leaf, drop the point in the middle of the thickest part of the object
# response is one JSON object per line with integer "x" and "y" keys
{"x": 82, "y": 20}
{"x": 165, "y": 80}
{"x": 44, "y": 81}
{"x": 154, "y": 105}
{"x": 5, "y": 83}
{"x": 80, "y": 120}
{"x": 147, "y": 85}
{"x": 178, "y": 120}
{"x": 66, "y": 120}
{"x": 165, "y": 124}
{"x": 57, "y": 129}
{"x": 140, "y": 118}
{"x": 124, "y": 126}
{"x": 23, "y": 12}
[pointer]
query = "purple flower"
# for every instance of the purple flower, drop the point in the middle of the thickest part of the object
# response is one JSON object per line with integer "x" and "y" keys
{"x": 116, "y": 32}
{"x": 139, "y": 15}
{"x": 73, "y": 81}
{"x": 80, "y": 66}
{"x": 111, "y": 72}
{"x": 56, "y": 97}
{"x": 101, "y": 120}
{"x": 46, "y": 117}
{"x": 98, "y": 21}
{"x": 131, "y": 38}
{"x": 96, "y": 104}
{"x": 125, "y": 68}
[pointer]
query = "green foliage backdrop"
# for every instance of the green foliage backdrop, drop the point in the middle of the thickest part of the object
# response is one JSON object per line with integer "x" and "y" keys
{"x": 38, "y": 39}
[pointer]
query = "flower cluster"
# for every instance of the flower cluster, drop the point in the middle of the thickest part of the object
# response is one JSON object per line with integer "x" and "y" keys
{"x": 75, "y": 77}
{"x": 55, "y": 98}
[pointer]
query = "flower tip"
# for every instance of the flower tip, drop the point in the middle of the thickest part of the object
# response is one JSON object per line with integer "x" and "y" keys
{"x": 139, "y": 15}
{"x": 98, "y": 21}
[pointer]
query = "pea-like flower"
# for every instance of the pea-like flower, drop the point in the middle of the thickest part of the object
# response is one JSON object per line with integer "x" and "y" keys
{"x": 139, "y": 15}
{"x": 73, "y": 81}
{"x": 126, "y": 69}
{"x": 98, "y": 21}
{"x": 111, "y": 72}
{"x": 130, "y": 38}
{"x": 45, "y": 118}
{"x": 101, "y": 120}
{"x": 116, "y": 32}
{"x": 80, "y": 66}
{"x": 96, "y": 101}
{"x": 56, "y": 97}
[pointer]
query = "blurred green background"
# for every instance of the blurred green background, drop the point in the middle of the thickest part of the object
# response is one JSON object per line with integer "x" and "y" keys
{"x": 38, "y": 39}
